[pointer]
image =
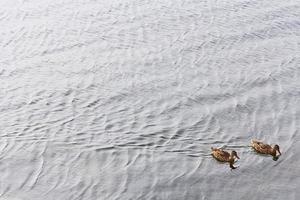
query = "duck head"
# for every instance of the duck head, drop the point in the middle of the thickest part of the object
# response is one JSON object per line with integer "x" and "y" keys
{"x": 231, "y": 161}
{"x": 234, "y": 154}
{"x": 276, "y": 147}
{"x": 275, "y": 150}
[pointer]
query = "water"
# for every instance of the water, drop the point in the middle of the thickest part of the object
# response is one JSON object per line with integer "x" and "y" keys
{"x": 123, "y": 99}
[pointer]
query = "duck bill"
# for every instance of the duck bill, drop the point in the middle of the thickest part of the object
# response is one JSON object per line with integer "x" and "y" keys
{"x": 237, "y": 157}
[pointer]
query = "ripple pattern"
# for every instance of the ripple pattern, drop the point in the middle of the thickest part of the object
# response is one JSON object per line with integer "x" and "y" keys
{"x": 123, "y": 99}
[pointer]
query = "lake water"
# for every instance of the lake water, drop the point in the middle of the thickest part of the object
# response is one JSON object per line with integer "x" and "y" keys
{"x": 123, "y": 99}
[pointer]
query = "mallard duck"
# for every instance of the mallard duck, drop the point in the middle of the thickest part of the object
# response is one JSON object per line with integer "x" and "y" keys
{"x": 224, "y": 156}
{"x": 265, "y": 149}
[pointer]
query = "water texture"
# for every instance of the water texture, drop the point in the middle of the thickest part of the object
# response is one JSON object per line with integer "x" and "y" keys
{"x": 123, "y": 99}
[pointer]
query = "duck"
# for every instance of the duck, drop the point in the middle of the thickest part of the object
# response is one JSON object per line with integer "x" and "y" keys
{"x": 263, "y": 148}
{"x": 224, "y": 156}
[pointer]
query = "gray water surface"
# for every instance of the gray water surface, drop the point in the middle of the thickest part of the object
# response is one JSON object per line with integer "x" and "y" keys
{"x": 123, "y": 99}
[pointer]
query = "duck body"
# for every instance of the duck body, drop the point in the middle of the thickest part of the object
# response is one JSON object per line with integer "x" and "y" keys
{"x": 220, "y": 155}
{"x": 263, "y": 148}
{"x": 224, "y": 156}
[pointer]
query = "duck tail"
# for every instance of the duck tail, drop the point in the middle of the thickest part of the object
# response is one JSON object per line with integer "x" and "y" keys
{"x": 254, "y": 141}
